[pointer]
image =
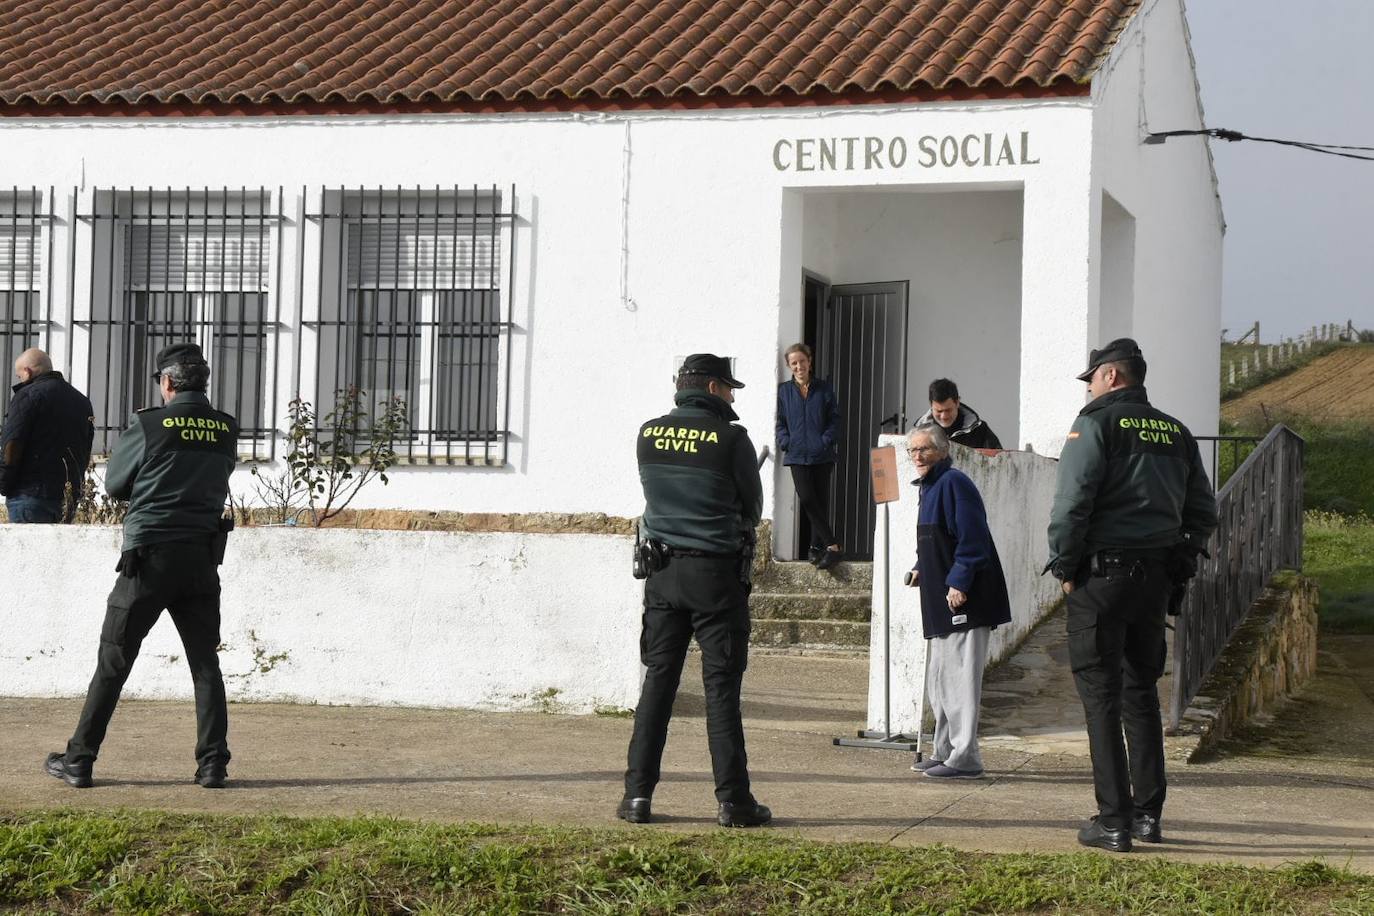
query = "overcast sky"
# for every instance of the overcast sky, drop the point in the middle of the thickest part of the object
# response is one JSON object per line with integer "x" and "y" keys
{"x": 1299, "y": 247}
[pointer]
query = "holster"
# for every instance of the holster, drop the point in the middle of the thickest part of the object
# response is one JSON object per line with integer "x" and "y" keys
{"x": 746, "y": 558}
{"x": 220, "y": 542}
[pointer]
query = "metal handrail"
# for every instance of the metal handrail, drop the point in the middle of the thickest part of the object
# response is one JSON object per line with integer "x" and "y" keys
{"x": 1259, "y": 532}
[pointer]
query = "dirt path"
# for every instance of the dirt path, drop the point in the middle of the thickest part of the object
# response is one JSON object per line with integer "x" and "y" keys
{"x": 1338, "y": 386}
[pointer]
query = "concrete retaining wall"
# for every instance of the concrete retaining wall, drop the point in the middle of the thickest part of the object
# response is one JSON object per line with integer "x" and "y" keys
{"x": 444, "y": 619}
{"x": 1272, "y": 654}
{"x": 1017, "y": 489}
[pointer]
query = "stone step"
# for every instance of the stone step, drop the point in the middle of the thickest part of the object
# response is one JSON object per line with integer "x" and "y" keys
{"x": 817, "y": 634}
{"x": 810, "y": 606}
{"x": 800, "y": 576}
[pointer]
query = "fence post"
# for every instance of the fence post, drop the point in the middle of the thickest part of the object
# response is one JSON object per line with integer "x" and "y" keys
{"x": 1231, "y": 372}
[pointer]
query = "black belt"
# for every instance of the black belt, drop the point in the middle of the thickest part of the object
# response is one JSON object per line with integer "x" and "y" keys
{"x": 705, "y": 554}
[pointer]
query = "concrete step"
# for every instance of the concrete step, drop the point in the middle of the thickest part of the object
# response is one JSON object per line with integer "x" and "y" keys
{"x": 815, "y": 634}
{"x": 799, "y": 576}
{"x": 810, "y": 606}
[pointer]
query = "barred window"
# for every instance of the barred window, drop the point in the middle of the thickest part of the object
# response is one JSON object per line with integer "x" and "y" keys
{"x": 25, "y": 261}
{"x": 412, "y": 306}
{"x": 179, "y": 266}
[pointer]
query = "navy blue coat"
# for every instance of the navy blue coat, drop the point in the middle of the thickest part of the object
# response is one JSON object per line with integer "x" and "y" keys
{"x": 954, "y": 549}
{"x": 808, "y": 428}
{"x": 46, "y": 440}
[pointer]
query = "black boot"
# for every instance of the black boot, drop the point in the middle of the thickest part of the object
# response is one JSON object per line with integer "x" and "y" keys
{"x": 76, "y": 775}
{"x": 1115, "y": 839}
{"x": 634, "y": 810}
{"x": 750, "y": 815}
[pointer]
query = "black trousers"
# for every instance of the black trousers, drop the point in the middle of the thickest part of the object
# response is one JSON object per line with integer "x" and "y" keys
{"x": 812, "y": 482}
{"x": 1117, "y": 651}
{"x": 183, "y": 580}
{"x": 701, "y": 596}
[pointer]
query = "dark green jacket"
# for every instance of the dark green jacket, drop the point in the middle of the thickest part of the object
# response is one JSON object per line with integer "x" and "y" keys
{"x": 1129, "y": 476}
{"x": 173, "y": 464}
{"x": 701, "y": 482}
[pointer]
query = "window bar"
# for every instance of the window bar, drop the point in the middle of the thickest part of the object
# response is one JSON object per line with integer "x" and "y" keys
{"x": 11, "y": 294}
{"x": 445, "y": 339}
{"x": 269, "y": 424}
{"x": 243, "y": 295}
{"x": 507, "y": 315}
{"x": 488, "y": 418}
{"x": 469, "y": 418}
{"x": 414, "y": 330}
{"x": 50, "y": 217}
{"x": 111, "y": 230}
{"x": 345, "y": 306}
{"x": 71, "y": 285}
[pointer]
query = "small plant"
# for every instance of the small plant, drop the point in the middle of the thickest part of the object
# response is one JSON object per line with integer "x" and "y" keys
{"x": 92, "y": 506}
{"x": 278, "y": 493}
{"x": 330, "y": 461}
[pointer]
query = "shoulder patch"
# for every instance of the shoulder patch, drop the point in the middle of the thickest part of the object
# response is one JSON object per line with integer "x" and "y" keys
{"x": 1074, "y": 435}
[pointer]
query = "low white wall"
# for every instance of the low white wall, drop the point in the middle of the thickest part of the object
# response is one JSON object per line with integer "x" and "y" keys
{"x": 1017, "y": 489}
{"x": 486, "y": 621}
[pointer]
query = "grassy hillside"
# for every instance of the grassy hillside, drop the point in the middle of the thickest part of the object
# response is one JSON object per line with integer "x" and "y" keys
{"x": 1330, "y": 403}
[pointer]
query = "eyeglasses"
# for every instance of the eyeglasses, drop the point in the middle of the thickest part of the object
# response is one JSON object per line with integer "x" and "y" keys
{"x": 923, "y": 450}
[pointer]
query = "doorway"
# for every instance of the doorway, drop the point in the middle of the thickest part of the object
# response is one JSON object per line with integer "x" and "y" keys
{"x": 859, "y": 333}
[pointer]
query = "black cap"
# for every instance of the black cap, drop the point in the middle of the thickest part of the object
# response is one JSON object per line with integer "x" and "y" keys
{"x": 708, "y": 364}
{"x": 182, "y": 354}
{"x": 1119, "y": 349}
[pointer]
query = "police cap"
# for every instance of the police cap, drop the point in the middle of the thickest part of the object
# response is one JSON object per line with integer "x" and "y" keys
{"x": 712, "y": 366}
{"x": 1120, "y": 349}
{"x": 182, "y": 354}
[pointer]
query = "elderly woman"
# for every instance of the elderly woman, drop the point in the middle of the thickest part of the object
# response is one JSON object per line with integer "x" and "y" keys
{"x": 963, "y": 598}
{"x": 808, "y": 426}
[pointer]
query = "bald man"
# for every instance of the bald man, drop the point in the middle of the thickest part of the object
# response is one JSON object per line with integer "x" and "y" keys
{"x": 45, "y": 444}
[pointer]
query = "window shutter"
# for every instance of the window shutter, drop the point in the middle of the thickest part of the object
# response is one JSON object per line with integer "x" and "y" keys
{"x": 21, "y": 256}
{"x": 435, "y": 254}
{"x": 198, "y": 258}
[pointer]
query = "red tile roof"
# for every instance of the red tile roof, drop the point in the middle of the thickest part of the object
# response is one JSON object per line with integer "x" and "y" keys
{"x": 147, "y": 53}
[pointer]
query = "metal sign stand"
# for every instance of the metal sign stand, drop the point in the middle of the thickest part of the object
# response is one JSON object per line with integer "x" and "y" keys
{"x": 884, "y": 469}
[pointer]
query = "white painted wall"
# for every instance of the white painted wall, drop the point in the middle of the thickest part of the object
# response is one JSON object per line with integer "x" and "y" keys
{"x": 1018, "y": 490}
{"x": 1170, "y": 191}
{"x": 480, "y": 621}
{"x": 648, "y": 235}
{"x": 961, "y": 253}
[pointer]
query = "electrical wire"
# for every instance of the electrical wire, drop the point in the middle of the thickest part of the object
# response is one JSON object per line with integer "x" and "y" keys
{"x": 1221, "y": 133}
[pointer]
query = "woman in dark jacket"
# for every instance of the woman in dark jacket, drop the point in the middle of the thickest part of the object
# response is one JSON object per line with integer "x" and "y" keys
{"x": 808, "y": 427}
{"x": 963, "y": 598}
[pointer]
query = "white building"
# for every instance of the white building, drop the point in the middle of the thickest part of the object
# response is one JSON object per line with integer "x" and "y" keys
{"x": 519, "y": 217}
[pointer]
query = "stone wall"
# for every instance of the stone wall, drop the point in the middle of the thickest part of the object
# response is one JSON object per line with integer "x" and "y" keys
{"x": 1272, "y": 654}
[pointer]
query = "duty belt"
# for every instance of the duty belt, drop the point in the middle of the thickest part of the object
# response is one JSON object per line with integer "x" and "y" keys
{"x": 706, "y": 554}
{"x": 1115, "y": 561}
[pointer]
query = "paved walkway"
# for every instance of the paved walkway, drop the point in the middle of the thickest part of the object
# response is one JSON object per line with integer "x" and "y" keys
{"x": 1302, "y": 789}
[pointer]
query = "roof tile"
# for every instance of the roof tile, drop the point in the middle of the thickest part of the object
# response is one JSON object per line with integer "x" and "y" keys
{"x": 135, "y": 52}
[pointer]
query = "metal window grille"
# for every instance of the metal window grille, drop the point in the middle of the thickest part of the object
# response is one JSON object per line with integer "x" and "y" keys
{"x": 188, "y": 265}
{"x": 411, "y": 305}
{"x": 26, "y": 219}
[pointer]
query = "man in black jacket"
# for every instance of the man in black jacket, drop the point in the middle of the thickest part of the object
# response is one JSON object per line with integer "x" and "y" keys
{"x": 45, "y": 444}
{"x": 703, "y": 498}
{"x": 960, "y": 422}
{"x": 1132, "y": 496}
{"x": 173, "y": 465}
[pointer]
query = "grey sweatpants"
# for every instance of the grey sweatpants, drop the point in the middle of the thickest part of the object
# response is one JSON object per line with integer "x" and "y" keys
{"x": 955, "y": 683}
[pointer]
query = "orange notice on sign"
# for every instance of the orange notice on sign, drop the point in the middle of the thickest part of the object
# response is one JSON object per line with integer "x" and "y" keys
{"x": 883, "y": 464}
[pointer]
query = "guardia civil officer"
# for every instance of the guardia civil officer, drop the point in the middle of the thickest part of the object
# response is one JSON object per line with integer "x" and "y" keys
{"x": 703, "y": 498}
{"x": 173, "y": 465}
{"x": 1132, "y": 505}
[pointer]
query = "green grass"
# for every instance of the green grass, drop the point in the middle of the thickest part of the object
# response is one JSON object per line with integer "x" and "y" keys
{"x": 143, "y": 862}
{"x": 1338, "y": 462}
{"x": 1338, "y": 551}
